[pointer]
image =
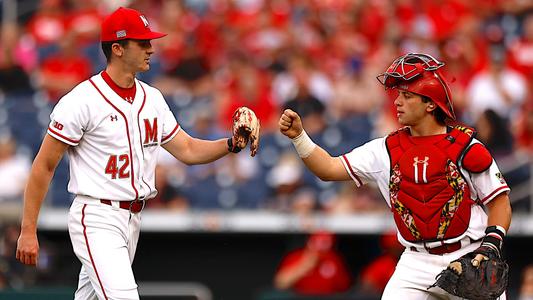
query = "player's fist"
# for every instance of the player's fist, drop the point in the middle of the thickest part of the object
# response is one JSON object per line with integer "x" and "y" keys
{"x": 290, "y": 124}
{"x": 28, "y": 249}
{"x": 245, "y": 129}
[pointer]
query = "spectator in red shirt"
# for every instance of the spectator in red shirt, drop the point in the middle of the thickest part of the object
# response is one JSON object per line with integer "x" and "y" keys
{"x": 524, "y": 135}
{"x": 248, "y": 86}
{"x": 521, "y": 51}
{"x": 315, "y": 269}
{"x": 375, "y": 275}
{"x": 48, "y": 24}
{"x": 85, "y": 20}
{"x": 62, "y": 71}
{"x": 445, "y": 16}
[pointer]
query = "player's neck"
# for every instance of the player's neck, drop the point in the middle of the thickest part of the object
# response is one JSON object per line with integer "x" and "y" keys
{"x": 120, "y": 77}
{"x": 427, "y": 128}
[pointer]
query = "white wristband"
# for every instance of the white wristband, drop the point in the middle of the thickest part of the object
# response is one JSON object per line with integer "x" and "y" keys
{"x": 500, "y": 228}
{"x": 303, "y": 144}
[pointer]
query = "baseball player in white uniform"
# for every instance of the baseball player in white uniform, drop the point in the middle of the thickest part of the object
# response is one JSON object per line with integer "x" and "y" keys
{"x": 436, "y": 179}
{"x": 112, "y": 126}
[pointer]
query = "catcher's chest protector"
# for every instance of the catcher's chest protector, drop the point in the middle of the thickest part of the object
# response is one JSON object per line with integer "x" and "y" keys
{"x": 429, "y": 196}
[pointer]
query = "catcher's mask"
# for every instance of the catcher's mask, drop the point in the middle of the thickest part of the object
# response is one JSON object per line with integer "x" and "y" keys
{"x": 419, "y": 73}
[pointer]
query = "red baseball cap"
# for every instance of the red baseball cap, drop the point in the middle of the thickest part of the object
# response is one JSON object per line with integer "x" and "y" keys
{"x": 127, "y": 23}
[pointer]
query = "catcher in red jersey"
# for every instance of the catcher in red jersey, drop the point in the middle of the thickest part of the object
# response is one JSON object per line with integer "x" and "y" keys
{"x": 113, "y": 126}
{"x": 445, "y": 192}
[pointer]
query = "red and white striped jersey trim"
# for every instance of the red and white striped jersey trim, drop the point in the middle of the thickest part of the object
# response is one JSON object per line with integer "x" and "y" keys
{"x": 172, "y": 134}
{"x": 62, "y": 138}
{"x": 351, "y": 171}
{"x": 495, "y": 193}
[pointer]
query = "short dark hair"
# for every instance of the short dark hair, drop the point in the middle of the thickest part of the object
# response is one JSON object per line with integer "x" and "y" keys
{"x": 439, "y": 114}
{"x": 106, "y": 47}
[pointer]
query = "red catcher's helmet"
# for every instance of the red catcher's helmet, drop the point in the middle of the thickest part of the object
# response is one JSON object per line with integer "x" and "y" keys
{"x": 418, "y": 73}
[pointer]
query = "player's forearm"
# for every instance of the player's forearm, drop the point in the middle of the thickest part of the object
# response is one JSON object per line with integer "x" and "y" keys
{"x": 41, "y": 174}
{"x": 318, "y": 160}
{"x": 321, "y": 164}
{"x": 36, "y": 189}
{"x": 499, "y": 211}
{"x": 204, "y": 151}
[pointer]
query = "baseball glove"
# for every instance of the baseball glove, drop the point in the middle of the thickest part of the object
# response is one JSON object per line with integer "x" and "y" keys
{"x": 245, "y": 129}
{"x": 487, "y": 281}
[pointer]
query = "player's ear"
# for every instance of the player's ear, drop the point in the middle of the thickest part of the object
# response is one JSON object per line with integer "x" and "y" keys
{"x": 431, "y": 106}
{"x": 117, "y": 49}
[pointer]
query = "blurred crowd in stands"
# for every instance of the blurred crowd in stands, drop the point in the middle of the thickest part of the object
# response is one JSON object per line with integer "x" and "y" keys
{"x": 319, "y": 58}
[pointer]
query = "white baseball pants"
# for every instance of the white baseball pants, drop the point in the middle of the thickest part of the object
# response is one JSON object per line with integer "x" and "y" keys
{"x": 104, "y": 238}
{"x": 416, "y": 271}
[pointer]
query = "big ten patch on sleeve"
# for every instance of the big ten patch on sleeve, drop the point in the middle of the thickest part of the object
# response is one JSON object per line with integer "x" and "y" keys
{"x": 57, "y": 125}
{"x": 499, "y": 175}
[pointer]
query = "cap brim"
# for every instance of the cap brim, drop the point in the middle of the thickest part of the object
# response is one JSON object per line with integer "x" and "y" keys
{"x": 149, "y": 36}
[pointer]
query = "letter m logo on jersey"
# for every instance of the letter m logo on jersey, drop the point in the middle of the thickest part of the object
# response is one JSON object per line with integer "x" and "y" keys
{"x": 150, "y": 131}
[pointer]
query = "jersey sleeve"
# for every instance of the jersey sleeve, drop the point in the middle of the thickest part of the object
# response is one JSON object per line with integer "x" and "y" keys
{"x": 367, "y": 162}
{"x": 489, "y": 184}
{"x": 171, "y": 127}
{"x": 68, "y": 120}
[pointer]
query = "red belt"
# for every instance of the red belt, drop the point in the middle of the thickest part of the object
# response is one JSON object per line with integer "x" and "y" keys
{"x": 444, "y": 248}
{"x": 134, "y": 206}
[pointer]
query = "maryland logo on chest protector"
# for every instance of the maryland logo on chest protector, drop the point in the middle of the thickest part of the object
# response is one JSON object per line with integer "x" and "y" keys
{"x": 429, "y": 197}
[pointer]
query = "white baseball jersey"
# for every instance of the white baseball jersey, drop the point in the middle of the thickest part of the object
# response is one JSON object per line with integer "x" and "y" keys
{"x": 371, "y": 162}
{"x": 115, "y": 143}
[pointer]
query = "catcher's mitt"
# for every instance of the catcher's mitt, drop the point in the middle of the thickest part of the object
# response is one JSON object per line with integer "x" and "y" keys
{"x": 245, "y": 128}
{"x": 484, "y": 282}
